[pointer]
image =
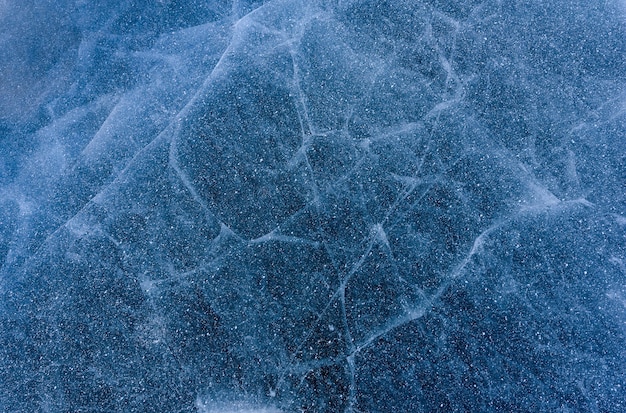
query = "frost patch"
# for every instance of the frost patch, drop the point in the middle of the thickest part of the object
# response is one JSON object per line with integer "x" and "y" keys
{"x": 210, "y": 406}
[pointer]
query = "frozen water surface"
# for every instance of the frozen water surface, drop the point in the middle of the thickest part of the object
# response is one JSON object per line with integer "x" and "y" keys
{"x": 319, "y": 206}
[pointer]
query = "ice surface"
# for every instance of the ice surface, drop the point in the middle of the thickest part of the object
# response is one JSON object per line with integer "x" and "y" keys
{"x": 319, "y": 206}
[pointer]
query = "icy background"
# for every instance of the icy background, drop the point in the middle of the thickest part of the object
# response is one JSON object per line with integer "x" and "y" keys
{"x": 320, "y": 206}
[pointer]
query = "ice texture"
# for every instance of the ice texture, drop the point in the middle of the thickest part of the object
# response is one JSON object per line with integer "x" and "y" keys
{"x": 313, "y": 205}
